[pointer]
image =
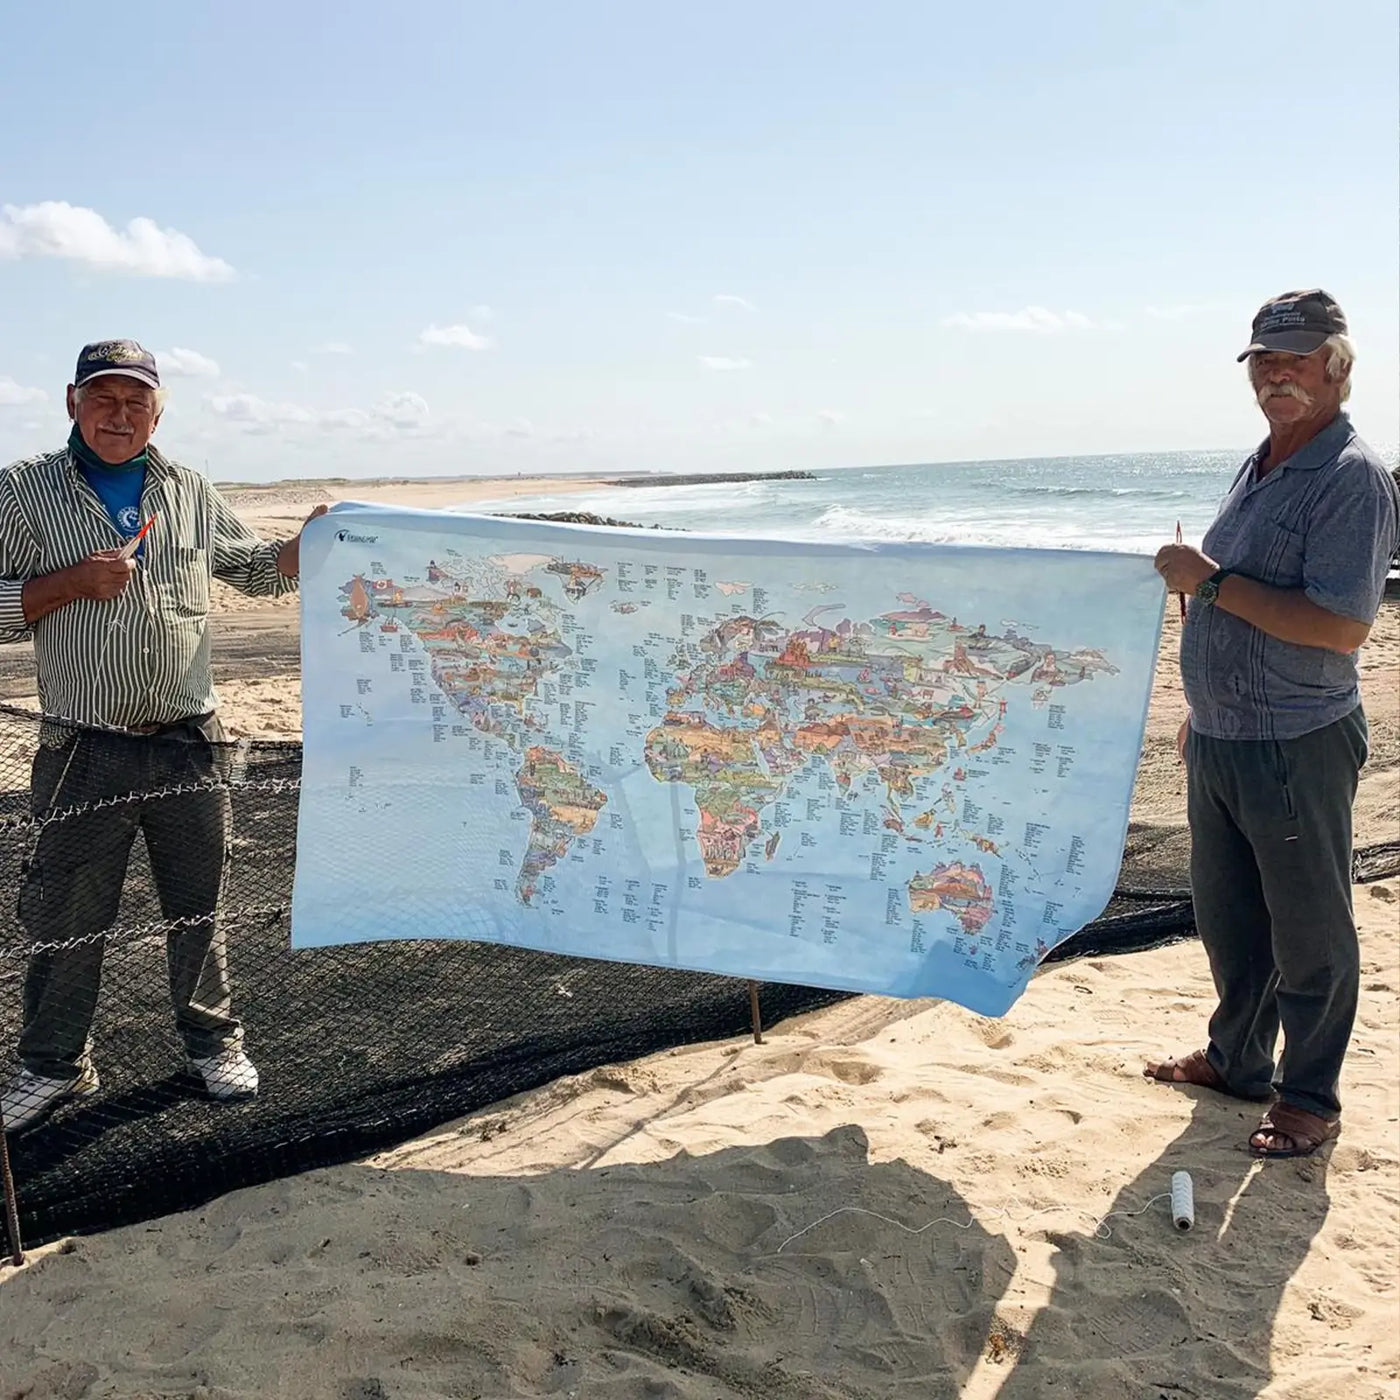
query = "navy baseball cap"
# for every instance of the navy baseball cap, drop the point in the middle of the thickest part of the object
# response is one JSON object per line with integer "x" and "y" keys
{"x": 124, "y": 357}
{"x": 1296, "y": 323}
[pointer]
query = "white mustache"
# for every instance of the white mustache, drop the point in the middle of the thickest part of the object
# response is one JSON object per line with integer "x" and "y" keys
{"x": 1284, "y": 391}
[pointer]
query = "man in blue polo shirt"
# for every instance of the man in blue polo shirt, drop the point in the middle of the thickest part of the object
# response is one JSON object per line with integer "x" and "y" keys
{"x": 1282, "y": 595}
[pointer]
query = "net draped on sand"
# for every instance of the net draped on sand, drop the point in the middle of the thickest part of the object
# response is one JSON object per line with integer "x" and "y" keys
{"x": 358, "y": 1046}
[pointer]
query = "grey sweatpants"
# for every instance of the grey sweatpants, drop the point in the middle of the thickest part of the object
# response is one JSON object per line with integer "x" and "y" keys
{"x": 1271, "y": 879}
{"x": 162, "y": 785}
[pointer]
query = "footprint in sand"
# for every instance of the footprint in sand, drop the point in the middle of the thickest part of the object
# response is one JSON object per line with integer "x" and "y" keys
{"x": 843, "y": 1066}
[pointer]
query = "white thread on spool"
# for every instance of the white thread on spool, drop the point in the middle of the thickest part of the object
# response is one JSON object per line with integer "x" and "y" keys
{"x": 1183, "y": 1202}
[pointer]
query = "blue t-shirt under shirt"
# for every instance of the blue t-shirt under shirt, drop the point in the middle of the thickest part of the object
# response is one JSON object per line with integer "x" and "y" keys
{"x": 119, "y": 489}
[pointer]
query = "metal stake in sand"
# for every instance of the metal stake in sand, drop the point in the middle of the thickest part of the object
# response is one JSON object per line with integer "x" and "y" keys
{"x": 754, "y": 1014}
{"x": 11, "y": 1202}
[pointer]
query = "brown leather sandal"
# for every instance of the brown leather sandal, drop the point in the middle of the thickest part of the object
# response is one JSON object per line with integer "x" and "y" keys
{"x": 1189, "y": 1069}
{"x": 1306, "y": 1131}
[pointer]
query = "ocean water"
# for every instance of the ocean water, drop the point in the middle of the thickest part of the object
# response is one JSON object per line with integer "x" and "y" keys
{"x": 1129, "y": 503}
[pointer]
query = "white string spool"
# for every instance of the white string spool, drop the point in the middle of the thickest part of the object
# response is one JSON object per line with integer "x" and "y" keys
{"x": 1183, "y": 1202}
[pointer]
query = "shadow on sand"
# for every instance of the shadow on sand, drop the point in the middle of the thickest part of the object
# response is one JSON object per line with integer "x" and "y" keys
{"x": 669, "y": 1279}
{"x": 732, "y": 1275}
{"x": 1153, "y": 1313}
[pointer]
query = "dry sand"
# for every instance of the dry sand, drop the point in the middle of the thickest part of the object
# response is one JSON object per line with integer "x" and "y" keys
{"x": 885, "y": 1199}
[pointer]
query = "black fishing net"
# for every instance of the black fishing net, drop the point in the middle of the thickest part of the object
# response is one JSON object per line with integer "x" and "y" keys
{"x": 356, "y": 1047}
{"x": 145, "y": 886}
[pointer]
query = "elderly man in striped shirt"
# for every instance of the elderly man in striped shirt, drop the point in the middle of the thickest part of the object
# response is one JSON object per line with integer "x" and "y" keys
{"x": 107, "y": 549}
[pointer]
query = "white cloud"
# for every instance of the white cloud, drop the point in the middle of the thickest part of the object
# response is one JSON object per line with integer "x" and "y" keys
{"x": 189, "y": 363}
{"x": 300, "y": 365}
{"x": 723, "y": 362}
{"x": 460, "y": 337}
{"x": 14, "y": 395}
{"x": 349, "y": 418}
{"x": 402, "y": 411}
{"x": 685, "y": 319}
{"x": 760, "y": 420}
{"x": 729, "y": 299}
{"x": 253, "y": 414}
{"x": 335, "y": 347}
{"x": 1029, "y": 318}
{"x": 830, "y": 418}
{"x": 55, "y": 229}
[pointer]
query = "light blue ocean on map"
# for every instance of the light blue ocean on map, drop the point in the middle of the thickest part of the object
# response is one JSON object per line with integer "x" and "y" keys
{"x": 884, "y": 767}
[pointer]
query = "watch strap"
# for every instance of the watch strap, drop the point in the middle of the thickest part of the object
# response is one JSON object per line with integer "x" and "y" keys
{"x": 1209, "y": 589}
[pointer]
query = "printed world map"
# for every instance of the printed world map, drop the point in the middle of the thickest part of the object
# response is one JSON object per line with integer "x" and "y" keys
{"x": 901, "y": 770}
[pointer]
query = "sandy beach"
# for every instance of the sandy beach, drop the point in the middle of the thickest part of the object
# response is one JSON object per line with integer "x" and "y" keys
{"x": 884, "y": 1199}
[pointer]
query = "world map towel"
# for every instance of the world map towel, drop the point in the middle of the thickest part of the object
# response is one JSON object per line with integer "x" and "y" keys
{"x": 880, "y": 767}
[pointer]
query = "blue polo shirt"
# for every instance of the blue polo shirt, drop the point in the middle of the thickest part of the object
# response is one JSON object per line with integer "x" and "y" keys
{"x": 1325, "y": 521}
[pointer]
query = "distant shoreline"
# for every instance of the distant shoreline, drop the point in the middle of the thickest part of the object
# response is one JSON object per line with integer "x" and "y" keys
{"x": 706, "y": 478}
{"x": 564, "y": 480}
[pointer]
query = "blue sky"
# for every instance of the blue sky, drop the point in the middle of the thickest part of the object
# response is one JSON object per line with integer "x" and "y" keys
{"x": 458, "y": 238}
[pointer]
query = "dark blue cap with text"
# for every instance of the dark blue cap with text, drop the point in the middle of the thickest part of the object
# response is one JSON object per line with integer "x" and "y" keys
{"x": 124, "y": 357}
{"x": 1295, "y": 323}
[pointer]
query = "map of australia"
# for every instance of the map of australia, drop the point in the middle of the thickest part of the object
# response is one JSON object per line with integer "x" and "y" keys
{"x": 886, "y": 772}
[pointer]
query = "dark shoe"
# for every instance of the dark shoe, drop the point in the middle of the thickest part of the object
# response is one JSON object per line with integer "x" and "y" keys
{"x": 1196, "y": 1069}
{"x": 1304, "y": 1132}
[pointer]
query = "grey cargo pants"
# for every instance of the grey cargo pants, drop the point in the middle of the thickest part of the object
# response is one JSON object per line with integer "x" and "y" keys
{"x": 73, "y": 883}
{"x": 1271, "y": 879}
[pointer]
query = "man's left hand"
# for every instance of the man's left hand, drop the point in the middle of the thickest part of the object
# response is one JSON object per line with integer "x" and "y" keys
{"x": 289, "y": 556}
{"x": 1182, "y": 568}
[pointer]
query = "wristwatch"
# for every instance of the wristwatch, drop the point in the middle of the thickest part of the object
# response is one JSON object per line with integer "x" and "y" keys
{"x": 1208, "y": 590}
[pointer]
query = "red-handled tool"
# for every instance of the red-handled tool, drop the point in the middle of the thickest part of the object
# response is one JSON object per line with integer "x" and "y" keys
{"x": 131, "y": 546}
{"x": 1180, "y": 598}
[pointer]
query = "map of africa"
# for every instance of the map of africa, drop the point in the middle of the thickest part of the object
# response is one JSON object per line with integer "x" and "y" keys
{"x": 901, "y": 769}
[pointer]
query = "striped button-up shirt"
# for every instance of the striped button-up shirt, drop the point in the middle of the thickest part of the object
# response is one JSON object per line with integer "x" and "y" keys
{"x": 140, "y": 658}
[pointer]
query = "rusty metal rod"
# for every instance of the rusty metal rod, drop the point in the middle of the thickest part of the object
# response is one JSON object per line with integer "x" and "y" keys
{"x": 754, "y": 1014}
{"x": 11, "y": 1202}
